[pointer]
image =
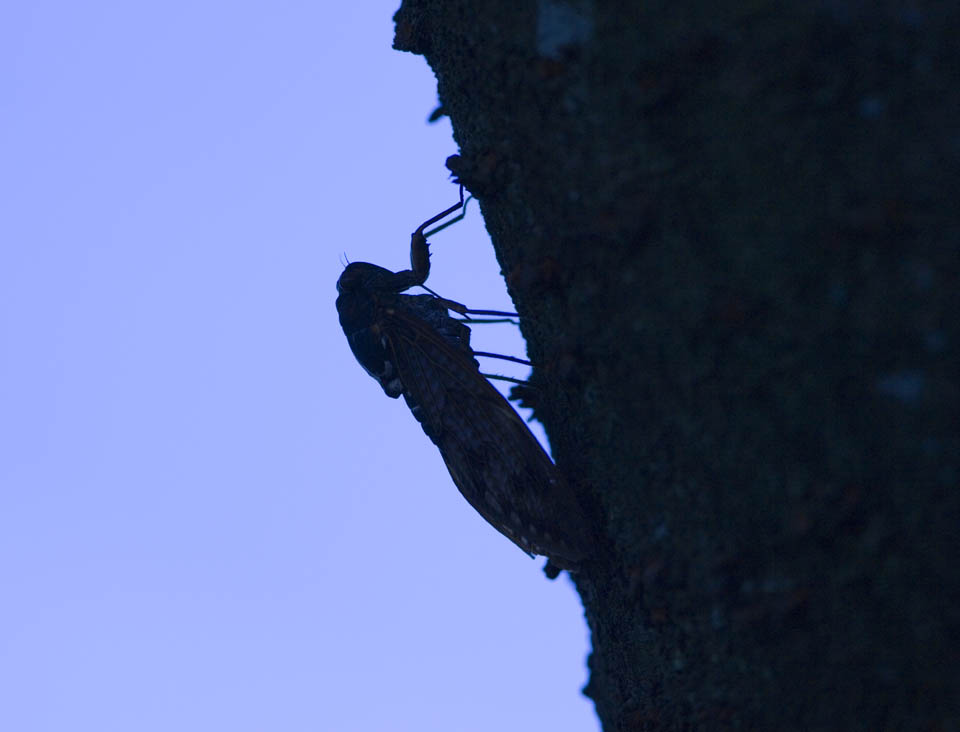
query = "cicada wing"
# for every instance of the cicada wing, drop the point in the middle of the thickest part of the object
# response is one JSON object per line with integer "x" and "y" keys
{"x": 494, "y": 459}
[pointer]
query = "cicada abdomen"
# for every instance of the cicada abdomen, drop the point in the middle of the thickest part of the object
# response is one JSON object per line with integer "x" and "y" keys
{"x": 412, "y": 346}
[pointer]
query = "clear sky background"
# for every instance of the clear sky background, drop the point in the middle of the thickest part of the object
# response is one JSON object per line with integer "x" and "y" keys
{"x": 211, "y": 518}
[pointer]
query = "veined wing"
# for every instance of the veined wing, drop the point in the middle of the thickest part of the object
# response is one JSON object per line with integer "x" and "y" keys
{"x": 494, "y": 459}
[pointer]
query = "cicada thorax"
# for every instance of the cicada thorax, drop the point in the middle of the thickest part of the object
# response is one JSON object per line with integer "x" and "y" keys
{"x": 412, "y": 346}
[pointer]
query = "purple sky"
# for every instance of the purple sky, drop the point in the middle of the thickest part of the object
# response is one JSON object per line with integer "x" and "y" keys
{"x": 211, "y": 518}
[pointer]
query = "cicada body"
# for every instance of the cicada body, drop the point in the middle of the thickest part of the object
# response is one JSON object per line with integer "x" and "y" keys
{"x": 412, "y": 346}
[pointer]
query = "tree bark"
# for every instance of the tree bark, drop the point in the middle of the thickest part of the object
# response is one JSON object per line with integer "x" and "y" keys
{"x": 731, "y": 231}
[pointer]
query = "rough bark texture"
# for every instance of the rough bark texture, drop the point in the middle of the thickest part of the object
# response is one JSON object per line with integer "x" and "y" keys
{"x": 731, "y": 231}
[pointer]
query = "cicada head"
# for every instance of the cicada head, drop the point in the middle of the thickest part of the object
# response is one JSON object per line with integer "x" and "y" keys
{"x": 363, "y": 276}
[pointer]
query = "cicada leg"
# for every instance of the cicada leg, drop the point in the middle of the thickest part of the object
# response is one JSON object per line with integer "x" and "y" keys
{"x": 420, "y": 249}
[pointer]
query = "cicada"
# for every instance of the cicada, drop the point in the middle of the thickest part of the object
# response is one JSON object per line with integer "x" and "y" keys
{"x": 414, "y": 347}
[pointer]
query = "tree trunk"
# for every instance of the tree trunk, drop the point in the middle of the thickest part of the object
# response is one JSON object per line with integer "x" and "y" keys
{"x": 731, "y": 231}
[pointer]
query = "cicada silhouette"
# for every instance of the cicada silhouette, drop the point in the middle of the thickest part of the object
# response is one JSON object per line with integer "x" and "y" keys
{"x": 412, "y": 346}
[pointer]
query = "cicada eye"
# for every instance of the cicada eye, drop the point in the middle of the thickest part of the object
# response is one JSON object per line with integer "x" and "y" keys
{"x": 348, "y": 280}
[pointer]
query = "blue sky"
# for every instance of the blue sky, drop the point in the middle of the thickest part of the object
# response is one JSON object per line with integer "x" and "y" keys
{"x": 211, "y": 518}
